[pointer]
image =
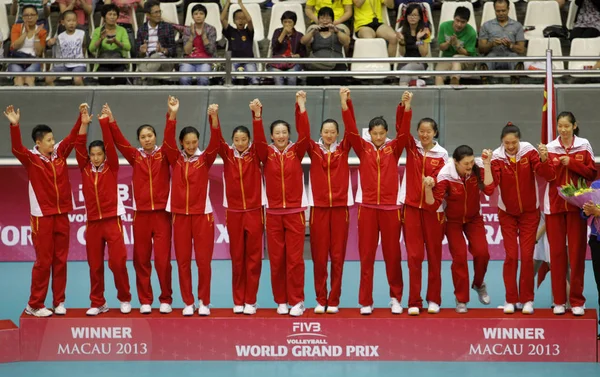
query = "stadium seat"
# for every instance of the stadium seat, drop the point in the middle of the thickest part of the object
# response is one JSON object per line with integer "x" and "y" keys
{"x": 584, "y": 47}
{"x": 571, "y": 16}
{"x": 541, "y": 14}
{"x": 489, "y": 13}
{"x": 169, "y": 14}
{"x": 538, "y": 47}
{"x": 448, "y": 9}
{"x": 4, "y": 26}
{"x": 370, "y": 48}
{"x": 289, "y": 1}
{"x": 213, "y": 17}
{"x": 429, "y": 17}
{"x": 257, "y": 20}
{"x": 276, "y": 12}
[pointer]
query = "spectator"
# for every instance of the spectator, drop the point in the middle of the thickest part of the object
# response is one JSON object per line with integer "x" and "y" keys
{"x": 587, "y": 20}
{"x": 82, "y": 8}
{"x": 597, "y": 66}
{"x": 110, "y": 41}
{"x": 126, "y": 14}
{"x": 414, "y": 37}
{"x": 156, "y": 39}
{"x": 457, "y": 39}
{"x": 240, "y": 37}
{"x": 286, "y": 44}
{"x": 27, "y": 40}
{"x": 368, "y": 22}
{"x": 68, "y": 45}
{"x": 42, "y": 8}
{"x": 199, "y": 41}
{"x": 342, "y": 12}
{"x": 1, "y": 44}
{"x": 501, "y": 37}
{"x": 326, "y": 40}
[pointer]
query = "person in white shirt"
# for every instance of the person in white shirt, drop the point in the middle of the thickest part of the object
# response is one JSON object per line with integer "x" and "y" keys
{"x": 68, "y": 45}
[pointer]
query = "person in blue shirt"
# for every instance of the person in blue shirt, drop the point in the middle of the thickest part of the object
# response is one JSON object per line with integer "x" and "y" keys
{"x": 591, "y": 209}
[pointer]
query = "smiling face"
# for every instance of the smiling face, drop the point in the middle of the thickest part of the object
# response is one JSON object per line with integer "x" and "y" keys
{"x": 46, "y": 144}
{"x": 97, "y": 156}
{"x": 414, "y": 17}
{"x": 566, "y": 129}
{"x": 378, "y": 135}
{"x": 511, "y": 143}
{"x": 464, "y": 167}
{"x": 329, "y": 134}
{"x": 426, "y": 134}
{"x": 280, "y": 136}
{"x": 241, "y": 140}
{"x": 147, "y": 139}
{"x": 189, "y": 144}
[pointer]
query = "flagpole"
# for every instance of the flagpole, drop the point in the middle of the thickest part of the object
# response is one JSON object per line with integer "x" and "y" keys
{"x": 550, "y": 96}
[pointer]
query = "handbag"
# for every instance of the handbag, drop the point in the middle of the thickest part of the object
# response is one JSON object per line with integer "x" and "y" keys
{"x": 556, "y": 31}
{"x": 323, "y": 66}
{"x": 283, "y": 66}
{"x": 20, "y": 55}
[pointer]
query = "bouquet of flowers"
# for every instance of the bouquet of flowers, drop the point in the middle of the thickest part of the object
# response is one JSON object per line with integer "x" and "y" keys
{"x": 581, "y": 194}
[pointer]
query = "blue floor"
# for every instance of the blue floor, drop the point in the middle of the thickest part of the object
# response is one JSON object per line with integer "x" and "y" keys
{"x": 14, "y": 278}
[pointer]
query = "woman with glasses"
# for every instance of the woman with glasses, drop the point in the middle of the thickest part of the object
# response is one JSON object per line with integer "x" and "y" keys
{"x": 27, "y": 40}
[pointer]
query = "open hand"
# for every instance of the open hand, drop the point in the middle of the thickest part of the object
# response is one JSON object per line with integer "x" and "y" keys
{"x": 12, "y": 115}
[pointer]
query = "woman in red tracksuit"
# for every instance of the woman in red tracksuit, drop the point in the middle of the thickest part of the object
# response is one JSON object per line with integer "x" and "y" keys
{"x": 329, "y": 195}
{"x": 459, "y": 183}
{"x": 286, "y": 203}
{"x": 513, "y": 167}
{"x": 243, "y": 200}
{"x": 151, "y": 223}
{"x": 422, "y": 227}
{"x": 190, "y": 206}
{"x": 573, "y": 158}
{"x": 379, "y": 211}
{"x": 99, "y": 170}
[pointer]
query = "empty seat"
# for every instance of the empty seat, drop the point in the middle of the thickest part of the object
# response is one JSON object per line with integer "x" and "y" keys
{"x": 289, "y": 1}
{"x": 257, "y": 20}
{"x": 370, "y": 48}
{"x": 538, "y": 47}
{"x": 448, "y": 9}
{"x": 4, "y": 26}
{"x": 489, "y": 13}
{"x": 571, "y": 16}
{"x": 429, "y": 18}
{"x": 278, "y": 10}
{"x": 584, "y": 47}
{"x": 213, "y": 17}
{"x": 541, "y": 14}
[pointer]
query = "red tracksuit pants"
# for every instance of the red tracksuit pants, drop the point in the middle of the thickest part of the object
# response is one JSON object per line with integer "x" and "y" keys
{"x": 285, "y": 243}
{"x": 152, "y": 227}
{"x": 478, "y": 247}
{"x": 424, "y": 229}
{"x": 100, "y": 233}
{"x": 245, "y": 231}
{"x": 562, "y": 228}
{"x": 328, "y": 239}
{"x": 519, "y": 231}
{"x": 372, "y": 221}
{"x": 199, "y": 230}
{"x": 50, "y": 236}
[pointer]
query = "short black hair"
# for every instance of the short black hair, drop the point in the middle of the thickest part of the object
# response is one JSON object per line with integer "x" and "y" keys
{"x": 280, "y": 122}
{"x": 40, "y": 131}
{"x": 142, "y": 127}
{"x": 335, "y": 123}
{"x": 378, "y": 121}
{"x": 236, "y": 12}
{"x": 289, "y": 15}
{"x": 66, "y": 13}
{"x": 109, "y": 8}
{"x": 326, "y": 11}
{"x": 30, "y": 7}
{"x": 201, "y": 8}
{"x": 188, "y": 130}
{"x": 242, "y": 129}
{"x": 463, "y": 13}
{"x": 502, "y": 1}
{"x": 149, "y": 5}
{"x": 433, "y": 124}
{"x": 96, "y": 143}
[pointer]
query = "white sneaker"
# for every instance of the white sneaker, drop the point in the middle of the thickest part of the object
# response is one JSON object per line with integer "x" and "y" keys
{"x": 413, "y": 310}
{"x": 60, "y": 309}
{"x": 238, "y": 309}
{"x": 203, "y": 310}
{"x": 250, "y": 309}
{"x": 332, "y": 310}
{"x": 41, "y": 313}
{"x": 509, "y": 308}
{"x": 484, "y": 298}
{"x": 188, "y": 310}
{"x": 578, "y": 310}
{"x": 126, "y": 308}
{"x": 461, "y": 308}
{"x": 96, "y": 311}
{"x": 366, "y": 310}
{"x": 527, "y": 308}
{"x": 282, "y": 309}
{"x": 165, "y": 308}
{"x": 145, "y": 309}
{"x": 433, "y": 308}
{"x": 396, "y": 307}
{"x": 558, "y": 309}
{"x": 297, "y": 310}
{"x": 319, "y": 309}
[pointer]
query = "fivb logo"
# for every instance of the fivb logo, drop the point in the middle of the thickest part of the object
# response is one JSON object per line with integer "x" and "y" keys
{"x": 306, "y": 327}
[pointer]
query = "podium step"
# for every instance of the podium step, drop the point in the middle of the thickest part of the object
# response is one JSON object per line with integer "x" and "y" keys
{"x": 479, "y": 335}
{"x": 9, "y": 342}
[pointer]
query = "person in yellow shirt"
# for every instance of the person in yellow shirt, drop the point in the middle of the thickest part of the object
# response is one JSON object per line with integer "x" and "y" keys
{"x": 342, "y": 11}
{"x": 368, "y": 22}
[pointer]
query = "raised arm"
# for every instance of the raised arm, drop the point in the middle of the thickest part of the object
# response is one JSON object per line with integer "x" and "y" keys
{"x": 225, "y": 14}
{"x": 262, "y": 147}
{"x": 210, "y": 154}
{"x": 403, "y": 119}
{"x": 18, "y": 149}
{"x": 169, "y": 140}
{"x": 351, "y": 131}
{"x": 123, "y": 145}
{"x": 302, "y": 125}
{"x": 112, "y": 158}
{"x": 81, "y": 151}
{"x": 66, "y": 145}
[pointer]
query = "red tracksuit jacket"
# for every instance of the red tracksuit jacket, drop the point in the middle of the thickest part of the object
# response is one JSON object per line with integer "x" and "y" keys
{"x": 461, "y": 196}
{"x": 419, "y": 163}
{"x": 379, "y": 182}
{"x": 100, "y": 189}
{"x": 49, "y": 185}
{"x": 581, "y": 164}
{"x": 242, "y": 176}
{"x": 189, "y": 183}
{"x": 151, "y": 172}
{"x": 283, "y": 172}
{"x": 329, "y": 178}
{"x": 517, "y": 186}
